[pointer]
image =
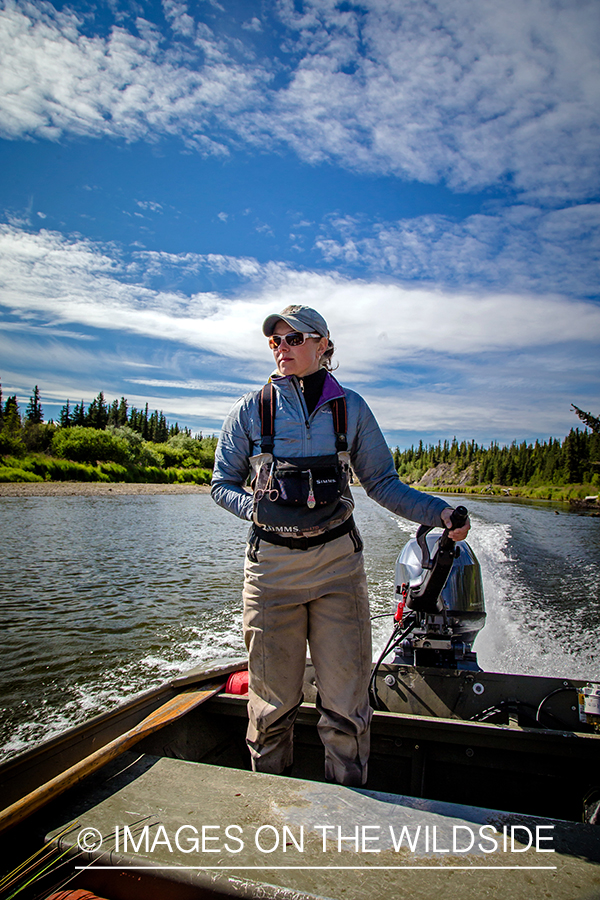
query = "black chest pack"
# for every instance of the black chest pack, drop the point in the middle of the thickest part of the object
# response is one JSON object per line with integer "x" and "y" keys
{"x": 303, "y": 495}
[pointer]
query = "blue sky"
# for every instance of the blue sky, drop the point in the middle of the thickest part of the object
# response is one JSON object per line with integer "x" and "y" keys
{"x": 425, "y": 173}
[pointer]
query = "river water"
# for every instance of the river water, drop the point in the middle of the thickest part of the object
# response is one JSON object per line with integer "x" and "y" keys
{"x": 105, "y": 597}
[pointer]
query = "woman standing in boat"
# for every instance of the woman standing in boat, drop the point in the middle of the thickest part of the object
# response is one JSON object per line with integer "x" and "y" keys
{"x": 304, "y": 577}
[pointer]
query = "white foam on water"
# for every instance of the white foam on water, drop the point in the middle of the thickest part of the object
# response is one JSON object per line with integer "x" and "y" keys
{"x": 45, "y": 721}
{"x": 518, "y": 636}
{"x": 200, "y": 646}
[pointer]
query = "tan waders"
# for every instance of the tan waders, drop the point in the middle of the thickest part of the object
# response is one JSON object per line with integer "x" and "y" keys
{"x": 319, "y": 595}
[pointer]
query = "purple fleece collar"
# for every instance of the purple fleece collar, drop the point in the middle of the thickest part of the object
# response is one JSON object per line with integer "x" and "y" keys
{"x": 331, "y": 387}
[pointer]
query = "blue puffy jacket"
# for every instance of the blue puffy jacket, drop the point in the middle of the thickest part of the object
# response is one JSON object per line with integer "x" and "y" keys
{"x": 299, "y": 434}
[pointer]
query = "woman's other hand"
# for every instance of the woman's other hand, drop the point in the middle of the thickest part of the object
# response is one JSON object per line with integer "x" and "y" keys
{"x": 457, "y": 534}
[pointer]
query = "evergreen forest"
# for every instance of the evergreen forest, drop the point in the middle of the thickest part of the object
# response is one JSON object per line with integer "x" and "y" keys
{"x": 542, "y": 467}
{"x": 101, "y": 442}
{"x": 111, "y": 441}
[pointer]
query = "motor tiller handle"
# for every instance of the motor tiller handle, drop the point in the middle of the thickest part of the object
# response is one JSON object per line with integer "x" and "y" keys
{"x": 426, "y": 597}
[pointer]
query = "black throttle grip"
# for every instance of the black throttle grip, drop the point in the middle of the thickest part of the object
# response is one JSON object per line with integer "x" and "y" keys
{"x": 459, "y": 517}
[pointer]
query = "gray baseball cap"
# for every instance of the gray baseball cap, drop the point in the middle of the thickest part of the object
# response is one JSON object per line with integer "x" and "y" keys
{"x": 300, "y": 318}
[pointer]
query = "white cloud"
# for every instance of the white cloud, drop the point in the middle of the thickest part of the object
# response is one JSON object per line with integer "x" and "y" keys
{"x": 44, "y": 331}
{"x": 54, "y": 80}
{"x": 471, "y": 92}
{"x": 150, "y": 205}
{"x": 214, "y": 387}
{"x": 464, "y": 90}
{"x": 16, "y": 347}
{"x": 209, "y": 409}
{"x": 502, "y": 354}
{"x": 521, "y": 248}
{"x": 177, "y": 15}
{"x": 78, "y": 281}
{"x": 253, "y": 24}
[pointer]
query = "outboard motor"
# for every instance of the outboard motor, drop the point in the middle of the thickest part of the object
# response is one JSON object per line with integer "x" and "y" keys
{"x": 439, "y": 581}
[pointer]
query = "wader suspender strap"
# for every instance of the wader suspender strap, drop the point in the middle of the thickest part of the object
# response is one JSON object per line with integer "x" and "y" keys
{"x": 267, "y": 420}
{"x": 340, "y": 423}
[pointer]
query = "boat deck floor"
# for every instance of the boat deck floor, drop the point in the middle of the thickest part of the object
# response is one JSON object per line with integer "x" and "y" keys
{"x": 178, "y": 830}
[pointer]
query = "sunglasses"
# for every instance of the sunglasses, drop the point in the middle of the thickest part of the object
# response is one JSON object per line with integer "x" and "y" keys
{"x": 293, "y": 339}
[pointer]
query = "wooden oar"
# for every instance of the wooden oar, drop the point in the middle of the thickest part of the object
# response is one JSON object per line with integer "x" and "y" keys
{"x": 170, "y": 711}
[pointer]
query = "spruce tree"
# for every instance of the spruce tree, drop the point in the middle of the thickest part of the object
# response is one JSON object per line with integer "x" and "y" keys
{"x": 122, "y": 413}
{"x": 571, "y": 461}
{"x": 588, "y": 419}
{"x": 34, "y": 412}
{"x": 97, "y": 414}
{"x": 113, "y": 413}
{"x": 78, "y": 417}
{"x": 12, "y": 417}
{"x": 65, "y": 416}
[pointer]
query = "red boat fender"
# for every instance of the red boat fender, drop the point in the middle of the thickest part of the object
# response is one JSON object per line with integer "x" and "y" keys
{"x": 237, "y": 683}
{"x": 74, "y": 895}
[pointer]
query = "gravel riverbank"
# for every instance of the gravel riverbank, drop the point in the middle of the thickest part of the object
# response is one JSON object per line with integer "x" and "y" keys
{"x": 93, "y": 488}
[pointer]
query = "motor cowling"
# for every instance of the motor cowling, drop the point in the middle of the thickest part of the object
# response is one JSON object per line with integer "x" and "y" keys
{"x": 448, "y": 625}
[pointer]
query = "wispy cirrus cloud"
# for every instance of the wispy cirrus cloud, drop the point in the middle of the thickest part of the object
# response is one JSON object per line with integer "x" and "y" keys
{"x": 197, "y": 385}
{"x": 54, "y": 80}
{"x": 469, "y": 92}
{"x": 80, "y": 282}
{"x": 400, "y": 346}
{"x": 522, "y": 247}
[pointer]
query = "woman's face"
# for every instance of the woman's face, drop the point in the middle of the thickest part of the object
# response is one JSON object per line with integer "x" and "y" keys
{"x": 299, "y": 361}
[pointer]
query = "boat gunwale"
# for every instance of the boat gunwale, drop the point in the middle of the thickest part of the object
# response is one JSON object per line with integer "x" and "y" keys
{"x": 86, "y": 733}
{"x": 35, "y": 767}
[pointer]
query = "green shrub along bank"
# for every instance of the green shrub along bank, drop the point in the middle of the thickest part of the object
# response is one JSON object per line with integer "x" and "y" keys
{"x": 113, "y": 442}
{"x": 558, "y": 493}
{"x": 103, "y": 443}
{"x": 37, "y": 467}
